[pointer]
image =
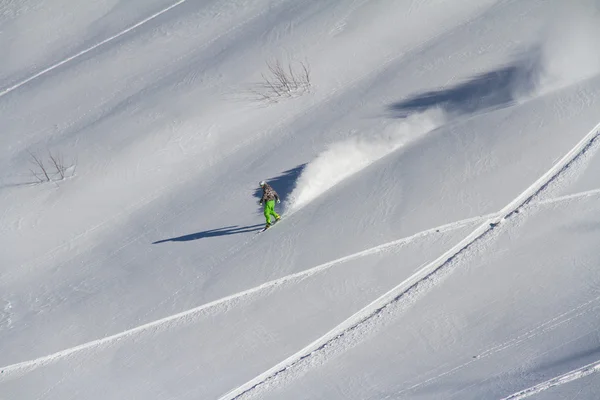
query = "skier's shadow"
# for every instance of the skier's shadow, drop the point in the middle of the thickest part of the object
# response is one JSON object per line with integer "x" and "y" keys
{"x": 227, "y": 230}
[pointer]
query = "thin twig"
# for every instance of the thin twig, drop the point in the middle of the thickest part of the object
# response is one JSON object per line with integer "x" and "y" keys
{"x": 59, "y": 165}
{"x": 40, "y": 164}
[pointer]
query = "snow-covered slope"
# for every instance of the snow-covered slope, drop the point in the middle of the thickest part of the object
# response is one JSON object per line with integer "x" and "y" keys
{"x": 439, "y": 183}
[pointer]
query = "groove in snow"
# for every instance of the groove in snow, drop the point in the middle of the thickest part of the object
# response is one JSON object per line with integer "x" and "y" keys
{"x": 425, "y": 272}
{"x": 41, "y": 361}
{"x": 557, "y": 381}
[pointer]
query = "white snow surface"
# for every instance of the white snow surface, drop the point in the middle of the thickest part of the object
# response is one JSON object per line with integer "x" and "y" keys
{"x": 440, "y": 186}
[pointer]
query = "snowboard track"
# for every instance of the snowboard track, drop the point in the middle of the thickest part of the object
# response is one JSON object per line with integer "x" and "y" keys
{"x": 189, "y": 315}
{"x": 26, "y": 366}
{"x": 567, "y": 377}
{"x": 538, "y": 330}
{"x": 423, "y": 275}
{"x": 153, "y": 196}
{"x": 121, "y": 33}
{"x": 64, "y": 61}
{"x": 29, "y": 365}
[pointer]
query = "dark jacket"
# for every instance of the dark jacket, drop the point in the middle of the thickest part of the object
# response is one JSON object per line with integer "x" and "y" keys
{"x": 268, "y": 193}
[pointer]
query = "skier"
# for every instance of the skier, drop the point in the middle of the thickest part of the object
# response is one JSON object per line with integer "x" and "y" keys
{"x": 268, "y": 198}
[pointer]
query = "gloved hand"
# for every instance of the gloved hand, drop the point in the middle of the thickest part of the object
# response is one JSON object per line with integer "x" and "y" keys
{"x": 278, "y": 201}
{"x": 260, "y": 202}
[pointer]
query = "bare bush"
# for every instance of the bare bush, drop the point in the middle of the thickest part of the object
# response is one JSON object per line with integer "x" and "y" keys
{"x": 53, "y": 169}
{"x": 284, "y": 81}
{"x": 58, "y": 163}
{"x": 40, "y": 172}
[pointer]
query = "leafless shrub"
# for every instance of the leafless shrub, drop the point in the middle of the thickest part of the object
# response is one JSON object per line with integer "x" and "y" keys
{"x": 40, "y": 172}
{"x": 52, "y": 170}
{"x": 58, "y": 163}
{"x": 282, "y": 81}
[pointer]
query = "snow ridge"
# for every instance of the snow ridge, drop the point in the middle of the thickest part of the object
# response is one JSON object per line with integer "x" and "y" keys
{"x": 422, "y": 274}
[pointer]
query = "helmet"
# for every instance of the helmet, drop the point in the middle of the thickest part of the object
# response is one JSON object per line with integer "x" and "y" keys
{"x": 262, "y": 183}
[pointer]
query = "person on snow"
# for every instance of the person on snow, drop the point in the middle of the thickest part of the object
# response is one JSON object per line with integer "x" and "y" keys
{"x": 269, "y": 197}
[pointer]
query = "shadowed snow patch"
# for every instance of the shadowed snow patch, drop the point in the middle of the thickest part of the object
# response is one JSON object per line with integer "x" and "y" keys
{"x": 566, "y": 51}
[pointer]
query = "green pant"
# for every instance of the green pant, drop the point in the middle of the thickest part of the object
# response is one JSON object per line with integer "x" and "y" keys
{"x": 270, "y": 210}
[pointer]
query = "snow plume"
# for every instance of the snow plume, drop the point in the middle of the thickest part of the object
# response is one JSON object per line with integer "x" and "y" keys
{"x": 570, "y": 50}
{"x": 343, "y": 159}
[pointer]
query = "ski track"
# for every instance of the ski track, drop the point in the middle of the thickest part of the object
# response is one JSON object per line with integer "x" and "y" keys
{"x": 154, "y": 195}
{"x": 568, "y": 197}
{"x": 328, "y": 97}
{"x": 557, "y": 381}
{"x": 148, "y": 199}
{"x": 83, "y": 52}
{"x": 205, "y": 44}
{"x": 541, "y": 329}
{"x": 427, "y": 271}
{"x": 25, "y": 366}
{"x": 367, "y": 312}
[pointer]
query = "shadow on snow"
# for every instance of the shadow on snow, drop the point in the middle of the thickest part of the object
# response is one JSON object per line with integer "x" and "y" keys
{"x": 225, "y": 231}
{"x": 494, "y": 89}
{"x": 284, "y": 183}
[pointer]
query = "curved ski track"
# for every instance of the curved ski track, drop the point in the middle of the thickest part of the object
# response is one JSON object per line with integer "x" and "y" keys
{"x": 422, "y": 275}
{"x": 25, "y": 366}
{"x": 543, "y": 328}
{"x": 370, "y": 310}
{"x": 557, "y": 381}
{"x": 147, "y": 199}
